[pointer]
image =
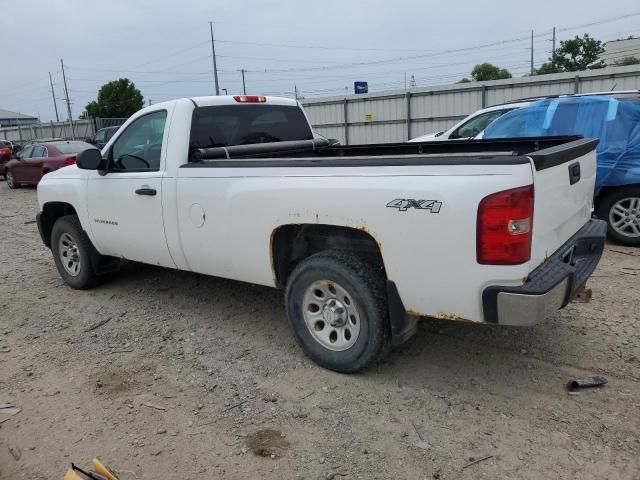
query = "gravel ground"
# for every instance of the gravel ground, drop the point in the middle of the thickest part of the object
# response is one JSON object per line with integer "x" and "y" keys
{"x": 199, "y": 377}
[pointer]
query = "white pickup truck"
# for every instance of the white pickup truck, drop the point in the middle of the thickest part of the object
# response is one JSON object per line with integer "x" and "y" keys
{"x": 363, "y": 240}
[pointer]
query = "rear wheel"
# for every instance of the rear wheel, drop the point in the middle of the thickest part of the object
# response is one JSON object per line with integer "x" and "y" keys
{"x": 621, "y": 210}
{"x": 72, "y": 252}
{"x": 11, "y": 181}
{"x": 337, "y": 307}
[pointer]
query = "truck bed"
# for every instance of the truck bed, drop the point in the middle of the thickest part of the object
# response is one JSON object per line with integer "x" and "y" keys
{"x": 545, "y": 152}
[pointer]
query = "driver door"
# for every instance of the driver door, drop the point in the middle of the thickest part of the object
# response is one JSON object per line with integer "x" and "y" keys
{"x": 125, "y": 208}
{"x": 19, "y": 168}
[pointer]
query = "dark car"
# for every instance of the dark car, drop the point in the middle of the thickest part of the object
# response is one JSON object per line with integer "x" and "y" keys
{"x": 102, "y": 136}
{"x": 38, "y": 159}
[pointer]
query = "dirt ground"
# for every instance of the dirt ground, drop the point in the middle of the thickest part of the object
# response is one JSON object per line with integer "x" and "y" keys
{"x": 198, "y": 377}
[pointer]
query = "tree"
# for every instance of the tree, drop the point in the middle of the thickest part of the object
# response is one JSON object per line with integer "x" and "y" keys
{"x": 575, "y": 55}
{"x": 547, "y": 68}
{"x": 116, "y": 99}
{"x": 486, "y": 71}
{"x": 627, "y": 61}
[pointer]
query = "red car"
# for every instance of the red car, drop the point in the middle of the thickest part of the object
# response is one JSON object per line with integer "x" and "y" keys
{"x": 38, "y": 159}
{"x": 5, "y": 156}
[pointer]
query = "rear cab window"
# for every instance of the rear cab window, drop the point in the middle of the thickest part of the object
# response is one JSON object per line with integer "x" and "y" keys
{"x": 228, "y": 125}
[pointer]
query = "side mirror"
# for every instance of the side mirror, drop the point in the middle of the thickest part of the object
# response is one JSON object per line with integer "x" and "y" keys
{"x": 89, "y": 159}
{"x": 90, "y": 140}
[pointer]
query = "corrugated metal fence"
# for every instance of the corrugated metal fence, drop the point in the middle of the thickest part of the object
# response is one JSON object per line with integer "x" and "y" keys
{"x": 82, "y": 129}
{"x": 397, "y": 116}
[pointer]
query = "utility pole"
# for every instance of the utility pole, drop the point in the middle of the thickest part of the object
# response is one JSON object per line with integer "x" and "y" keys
{"x": 553, "y": 42}
{"x": 66, "y": 96}
{"x": 53, "y": 94}
{"x": 150, "y": 101}
{"x": 244, "y": 86}
{"x": 295, "y": 90}
{"x": 215, "y": 67}
{"x": 531, "y": 52}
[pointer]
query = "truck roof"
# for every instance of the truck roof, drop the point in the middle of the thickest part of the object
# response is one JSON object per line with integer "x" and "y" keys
{"x": 211, "y": 101}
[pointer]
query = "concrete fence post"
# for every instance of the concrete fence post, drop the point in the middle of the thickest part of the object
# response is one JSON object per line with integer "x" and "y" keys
{"x": 346, "y": 122}
{"x": 408, "y": 95}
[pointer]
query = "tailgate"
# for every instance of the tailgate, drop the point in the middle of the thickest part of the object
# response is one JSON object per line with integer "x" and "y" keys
{"x": 564, "y": 179}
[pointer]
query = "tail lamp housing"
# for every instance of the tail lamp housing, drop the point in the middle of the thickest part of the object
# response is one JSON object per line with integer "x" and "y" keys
{"x": 504, "y": 228}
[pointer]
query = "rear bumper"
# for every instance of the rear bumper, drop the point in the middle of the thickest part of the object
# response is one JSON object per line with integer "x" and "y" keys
{"x": 552, "y": 285}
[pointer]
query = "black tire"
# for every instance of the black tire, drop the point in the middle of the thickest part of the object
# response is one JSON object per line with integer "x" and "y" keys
{"x": 623, "y": 235}
{"x": 8, "y": 176}
{"x": 366, "y": 285}
{"x": 69, "y": 226}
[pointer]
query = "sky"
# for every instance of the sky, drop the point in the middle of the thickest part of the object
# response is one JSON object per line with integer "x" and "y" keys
{"x": 318, "y": 47}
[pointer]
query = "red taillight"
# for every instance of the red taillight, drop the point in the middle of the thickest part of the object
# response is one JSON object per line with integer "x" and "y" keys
{"x": 70, "y": 161}
{"x": 249, "y": 99}
{"x": 503, "y": 235}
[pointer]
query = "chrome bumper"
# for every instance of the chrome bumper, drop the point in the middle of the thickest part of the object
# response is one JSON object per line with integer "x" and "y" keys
{"x": 552, "y": 285}
{"x": 521, "y": 309}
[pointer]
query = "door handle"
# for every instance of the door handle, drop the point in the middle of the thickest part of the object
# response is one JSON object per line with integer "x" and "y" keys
{"x": 574, "y": 173}
{"x": 146, "y": 191}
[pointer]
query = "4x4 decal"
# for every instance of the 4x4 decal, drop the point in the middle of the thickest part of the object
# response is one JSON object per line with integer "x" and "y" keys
{"x": 403, "y": 204}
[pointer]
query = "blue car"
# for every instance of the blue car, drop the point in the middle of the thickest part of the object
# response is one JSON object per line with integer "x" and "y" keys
{"x": 616, "y": 123}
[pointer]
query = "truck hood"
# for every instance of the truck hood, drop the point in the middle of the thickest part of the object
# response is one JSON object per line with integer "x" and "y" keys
{"x": 69, "y": 172}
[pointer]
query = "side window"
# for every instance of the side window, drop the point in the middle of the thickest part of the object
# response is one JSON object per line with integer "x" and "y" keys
{"x": 39, "y": 152}
{"x": 100, "y": 136}
{"x": 26, "y": 153}
{"x": 476, "y": 125}
{"x": 139, "y": 147}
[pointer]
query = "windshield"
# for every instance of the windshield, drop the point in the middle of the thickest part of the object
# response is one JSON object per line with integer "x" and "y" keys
{"x": 226, "y": 125}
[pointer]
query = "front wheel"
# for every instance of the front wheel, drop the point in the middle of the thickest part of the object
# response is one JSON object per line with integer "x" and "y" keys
{"x": 337, "y": 307}
{"x": 11, "y": 180}
{"x": 72, "y": 252}
{"x": 621, "y": 210}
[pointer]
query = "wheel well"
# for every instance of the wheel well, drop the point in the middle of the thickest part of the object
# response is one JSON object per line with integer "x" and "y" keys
{"x": 292, "y": 243}
{"x": 51, "y": 212}
{"x": 606, "y": 191}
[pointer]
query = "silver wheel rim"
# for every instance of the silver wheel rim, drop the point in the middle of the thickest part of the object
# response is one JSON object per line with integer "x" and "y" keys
{"x": 9, "y": 176}
{"x": 624, "y": 217}
{"x": 331, "y": 315}
{"x": 69, "y": 254}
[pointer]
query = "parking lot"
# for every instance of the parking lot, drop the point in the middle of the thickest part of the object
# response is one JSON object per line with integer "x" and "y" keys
{"x": 167, "y": 374}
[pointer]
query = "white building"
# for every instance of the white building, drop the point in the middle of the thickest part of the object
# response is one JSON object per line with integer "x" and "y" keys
{"x": 13, "y": 119}
{"x": 618, "y": 50}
